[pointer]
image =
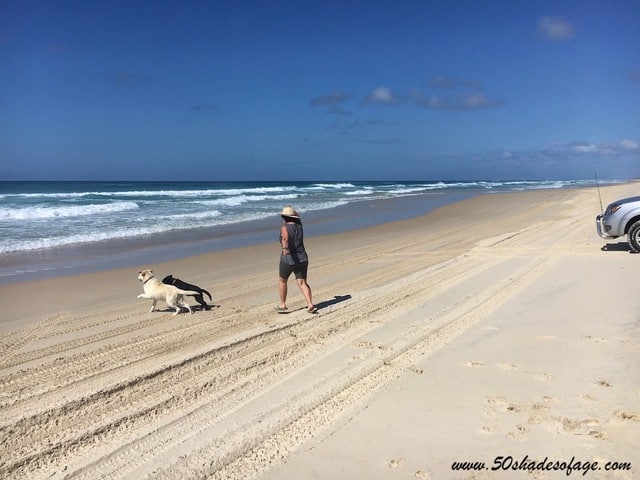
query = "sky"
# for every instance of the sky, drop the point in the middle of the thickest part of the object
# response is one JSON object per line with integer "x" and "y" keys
{"x": 332, "y": 90}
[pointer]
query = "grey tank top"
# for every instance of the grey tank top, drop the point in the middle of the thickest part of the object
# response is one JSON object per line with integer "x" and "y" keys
{"x": 297, "y": 253}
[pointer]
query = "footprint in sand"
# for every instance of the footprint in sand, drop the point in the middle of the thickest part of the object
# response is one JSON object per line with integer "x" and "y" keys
{"x": 489, "y": 430}
{"x": 539, "y": 412}
{"x": 473, "y": 363}
{"x": 422, "y": 475}
{"x": 604, "y": 383}
{"x": 600, "y": 435}
{"x": 594, "y": 339}
{"x": 586, "y": 397}
{"x": 500, "y": 401}
{"x": 519, "y": 434}
{"x": 396, "y": 462}
{"x": 541, "y": 407}
{"x": 582, "y": 427}
{"x": 626, "y": 416}
{"x": 492, "y": 419}
{"x": 508, "y": 366}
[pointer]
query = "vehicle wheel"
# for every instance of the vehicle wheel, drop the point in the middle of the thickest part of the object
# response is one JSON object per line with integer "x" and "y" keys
{"x": 634, "y": 237}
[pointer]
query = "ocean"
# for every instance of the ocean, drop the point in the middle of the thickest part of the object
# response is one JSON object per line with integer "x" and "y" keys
{"x": 51, "y": 228}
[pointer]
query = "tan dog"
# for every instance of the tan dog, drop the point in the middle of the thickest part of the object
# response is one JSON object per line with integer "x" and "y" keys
{"x": 156, "y": 290}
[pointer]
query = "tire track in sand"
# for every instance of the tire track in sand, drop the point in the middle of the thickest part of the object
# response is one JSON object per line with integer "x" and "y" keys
{"x": 370, "y": 375}
{"x": 248, "y": 447}
{"x": 141, "y": 400}
{"x": 189, "y": 416}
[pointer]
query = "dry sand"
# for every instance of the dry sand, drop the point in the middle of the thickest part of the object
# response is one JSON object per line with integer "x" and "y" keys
{"x": 494, "y": 327}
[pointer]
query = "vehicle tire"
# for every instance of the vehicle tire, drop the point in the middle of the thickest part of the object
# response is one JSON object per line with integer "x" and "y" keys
{"x": 634, "y": 237}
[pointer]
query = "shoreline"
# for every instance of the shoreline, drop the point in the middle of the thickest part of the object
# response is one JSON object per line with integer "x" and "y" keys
{"x": 119, "y": 253}
{"x": 82, "y": 258}
{"x": 474, "y": 331}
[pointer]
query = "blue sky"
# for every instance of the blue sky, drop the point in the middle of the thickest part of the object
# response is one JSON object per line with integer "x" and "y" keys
{"x": 348, "y": 90}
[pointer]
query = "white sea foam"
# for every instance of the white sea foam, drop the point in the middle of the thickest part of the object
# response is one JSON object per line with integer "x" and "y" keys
{"x": 355, "y": 193}
{"x": 151, "y": 193}
{"x": 76, "y": 238}
{"x": 234, "y": 201}
{"x": 40, "y": 212}
{"x": 335, "y": 185}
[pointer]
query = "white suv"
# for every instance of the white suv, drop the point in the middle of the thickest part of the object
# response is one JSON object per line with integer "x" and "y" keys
{"x": 621, "y": 218}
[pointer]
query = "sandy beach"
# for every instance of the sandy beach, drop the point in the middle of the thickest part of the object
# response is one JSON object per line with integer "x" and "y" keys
{"x": 491, "y": 338}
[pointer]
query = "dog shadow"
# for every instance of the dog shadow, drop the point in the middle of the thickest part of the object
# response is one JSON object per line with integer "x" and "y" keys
{"x": 201, "y": 308}
{"x": 617, "y": 247}
{"x": 195, "y": 308}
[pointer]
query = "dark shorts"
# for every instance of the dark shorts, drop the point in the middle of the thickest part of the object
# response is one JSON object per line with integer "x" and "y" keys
{"x": 299, "y": 269}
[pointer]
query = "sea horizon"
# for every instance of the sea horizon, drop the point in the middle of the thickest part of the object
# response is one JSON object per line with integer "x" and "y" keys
{"x": 53, "y": 227}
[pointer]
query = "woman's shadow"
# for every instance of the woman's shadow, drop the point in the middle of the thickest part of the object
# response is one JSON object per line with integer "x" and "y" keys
{"x": 333, "y": 301}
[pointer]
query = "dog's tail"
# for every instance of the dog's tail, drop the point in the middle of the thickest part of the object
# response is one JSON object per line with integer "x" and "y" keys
{"x": 210, "y": 297}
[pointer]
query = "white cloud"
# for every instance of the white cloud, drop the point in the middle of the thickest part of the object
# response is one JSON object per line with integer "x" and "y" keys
{"x": 630, "y": 145}
{"x": 464, "y": 101}
{"x": 382, "y": 95}
{"x": 454, "y": 94}
{"x": 431, "y": 101}
{"x": 588, "y": 148}
{"x": 555, "y": 28}
{"x": 608, "y": 148}
{"x": 478, "y": 100}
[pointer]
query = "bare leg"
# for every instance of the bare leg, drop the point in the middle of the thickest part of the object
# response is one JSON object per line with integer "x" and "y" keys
{"x": 282, "y": 288}
{"x": 306, "y": 291}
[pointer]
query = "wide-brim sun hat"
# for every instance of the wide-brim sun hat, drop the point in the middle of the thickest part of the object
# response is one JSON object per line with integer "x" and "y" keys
{"x": 289, "y": 212}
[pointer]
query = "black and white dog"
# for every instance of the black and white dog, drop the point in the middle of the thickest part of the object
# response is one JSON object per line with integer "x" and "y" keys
{"x": 170, "y": 280}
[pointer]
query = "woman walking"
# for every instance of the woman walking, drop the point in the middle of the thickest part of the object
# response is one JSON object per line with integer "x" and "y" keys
{"x": 293, "y": 259}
